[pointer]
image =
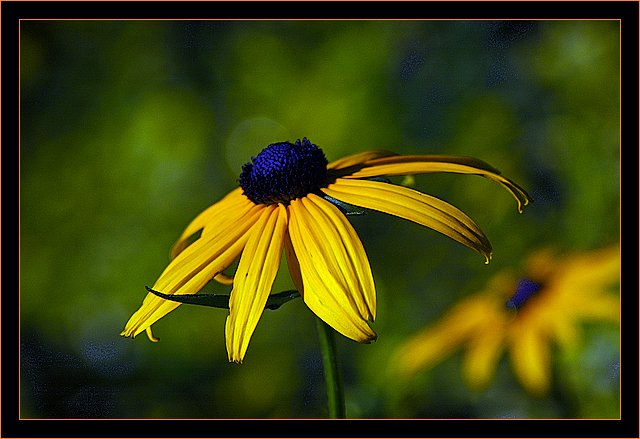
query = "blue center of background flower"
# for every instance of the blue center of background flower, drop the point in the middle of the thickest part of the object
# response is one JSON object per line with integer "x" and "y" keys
{"x": 525, "y": 290}
{"x": 284, "y": 171}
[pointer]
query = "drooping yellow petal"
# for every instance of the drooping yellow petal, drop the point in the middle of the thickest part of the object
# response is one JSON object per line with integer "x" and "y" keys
{"x": 422, "y": 164}
{"x": 215, "y": 217}
{"x": 346, "y": 251}
{"x": 327, "y": 251}
{"x": 192, "y": 269}
{"x": 256, "y": 272}
{"x": 200, "y": 255}
{"x": 293, "y": 264}
{"x": 358, "y": 158}
{"x": 412, "y": 205}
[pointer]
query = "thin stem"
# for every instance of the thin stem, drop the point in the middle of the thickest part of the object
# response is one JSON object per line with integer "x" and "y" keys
{"x": 335, "y": 393}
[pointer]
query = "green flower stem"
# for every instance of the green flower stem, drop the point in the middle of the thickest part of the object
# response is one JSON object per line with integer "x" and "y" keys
{"x": 335, "y": 392}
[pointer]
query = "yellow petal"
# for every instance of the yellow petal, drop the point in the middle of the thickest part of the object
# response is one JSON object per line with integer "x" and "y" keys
{"x": 192, "y": 269}
{"x": 422, "y": 164}
{"x": 347, "y": 249}
{"x": 604, "y": 306}
{"x": 415, "y": 206}
{"x": 208, "y": 248}
{"x": 328, "y": 255}
{"x": 223, "y": 279}
{"x": 592, "y": 270}
{"x": 150, "y": 335}
{"x": 293, "y": 264}
{"x": 356, "y": 159}
{"x": 437, "y": 341}
{"x": 483, "y": 353}
{"x": 215, "y": 217}
{"x": 563, "y": 328}
{"x": 256, "y": 272}
{"x": 530, "y": 358}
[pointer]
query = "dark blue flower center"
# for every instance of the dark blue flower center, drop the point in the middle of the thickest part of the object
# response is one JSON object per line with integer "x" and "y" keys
{"x": 525, "y": 290}
{"x": 284, "y": 171}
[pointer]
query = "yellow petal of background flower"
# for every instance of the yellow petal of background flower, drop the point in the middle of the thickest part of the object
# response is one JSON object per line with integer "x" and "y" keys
{"x": 415, "y": 206}
{"x": 530, "y": 358}
{"x": 601, "y": 307}
{"x": 561, "y": 323}
{"x": 592, "y": 270}
{"x": 437, "y": 341}
{"x": 192, "y": 269}
{"x": 422, "y": 164}
{"x": 337, "y": 280}
{"x": 214, "y": 217}
{"x": 584, "y": 286}
{"x": 256, "y": 272}
{"x": 483, "y": 351}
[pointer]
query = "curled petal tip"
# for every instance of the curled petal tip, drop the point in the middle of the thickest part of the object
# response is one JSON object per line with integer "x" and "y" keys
{"x": 223, "y": 279}
{"x": 150, "y": 335}
{"x": 525, "y": 202}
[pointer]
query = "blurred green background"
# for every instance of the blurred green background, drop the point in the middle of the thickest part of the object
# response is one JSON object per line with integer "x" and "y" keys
{"x": 131, "y": 128}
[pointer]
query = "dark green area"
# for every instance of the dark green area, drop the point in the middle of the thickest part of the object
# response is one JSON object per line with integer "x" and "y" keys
{"x": 130, "y": 129}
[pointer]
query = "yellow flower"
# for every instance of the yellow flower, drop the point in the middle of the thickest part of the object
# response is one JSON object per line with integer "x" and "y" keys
{"x": 287, "y": 199}
{"x": 552, "y": 297}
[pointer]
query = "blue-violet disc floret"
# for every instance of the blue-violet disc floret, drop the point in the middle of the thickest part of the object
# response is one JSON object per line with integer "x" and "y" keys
{"x": 525, "y": 290}
{"x": 284, "y": 171}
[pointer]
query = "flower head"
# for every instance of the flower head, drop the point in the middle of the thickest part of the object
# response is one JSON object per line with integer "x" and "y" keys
{"x": 523, "y": 313}
{"x": 284, "y": 171}
{"x": 286, "y": 202}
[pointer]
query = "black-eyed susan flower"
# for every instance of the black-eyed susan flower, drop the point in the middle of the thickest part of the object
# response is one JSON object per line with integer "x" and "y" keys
{"x": 524, "y": 313}
{"x": 287, "y": 201}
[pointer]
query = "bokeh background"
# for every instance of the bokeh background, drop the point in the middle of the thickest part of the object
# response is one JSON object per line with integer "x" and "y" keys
{"x": 131, "y": 128}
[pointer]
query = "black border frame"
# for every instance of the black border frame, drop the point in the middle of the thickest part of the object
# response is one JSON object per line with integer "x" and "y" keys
{"x": 625, "y": 11}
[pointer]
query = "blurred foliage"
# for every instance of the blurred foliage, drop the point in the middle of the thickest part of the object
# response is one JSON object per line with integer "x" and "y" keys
{"x": 131, "y": 128}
